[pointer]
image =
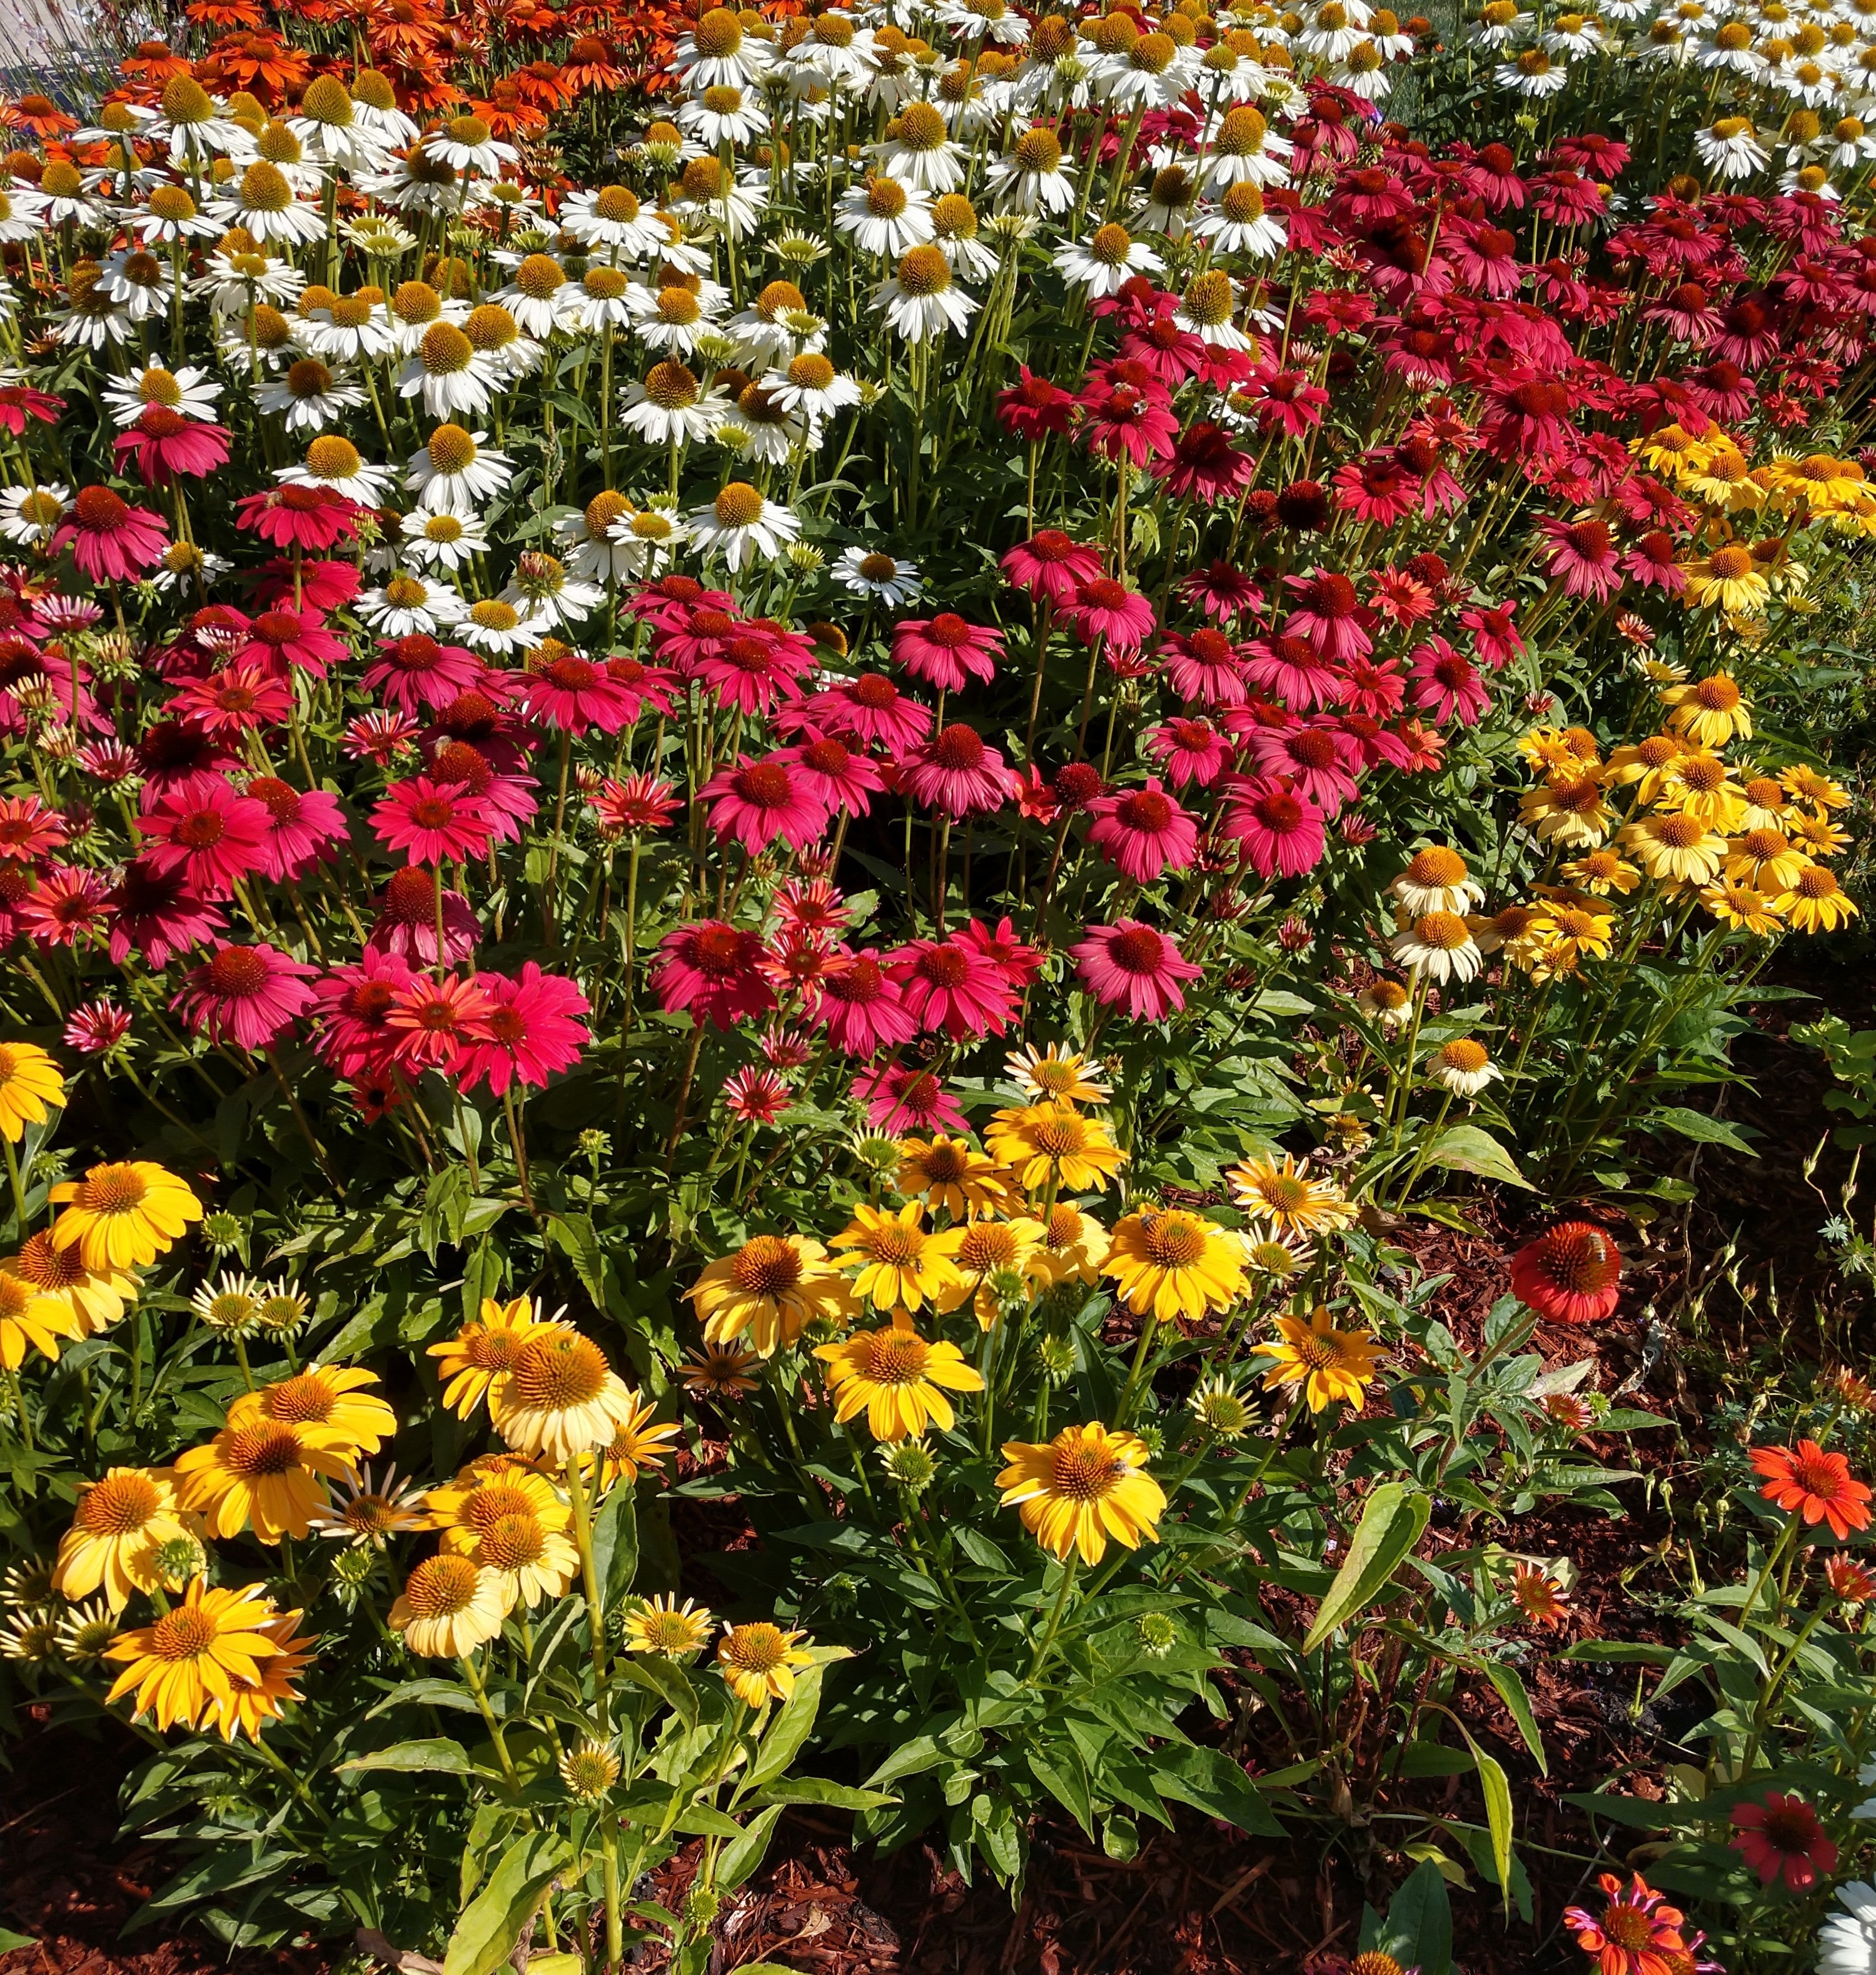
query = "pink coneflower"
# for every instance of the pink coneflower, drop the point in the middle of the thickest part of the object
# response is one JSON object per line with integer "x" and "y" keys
{"x": 155, "y": 913}
{"x": 303, "y": 827}
{"x": 1446, "y": 684}
{"x": 672, "y": 597}
{"x": 575, "y": 695}
{"x": 958, "y": 772}
{"x": 1205, "y": 466}
{"x": 1017, "y": 962}
{"x": 1316, "y": 760}
{"x": 1527, "y": 417}
{"x": 714, "y": 970}
{"x": 684, "y": 638}
{"x": 1328, "y": 614}
{"x": 644, "y": 685}
{"x": 209, "y": 834}
{"x": 29, "y": 828}
{"x": 1376, "y": 487}
{"x": 756, "y": 1096}
{"x": 64, "y": 907}
{"x": 755, "y": 802}
{"x": 1143, "y": 832}
{"x": 245, "y": 995}
{"x": 863, "y": 1007}
{"x": 944, "y": 651}
{"x": 166, "y": 444}
{"x": 20, "y": 401}
{"x": 834, "y": 776}
{"x": 1107, "y": 608}
{"x": 379, "y": 736}
{"x": 810, "y": 907}
{"x": 1374, "y": 687}
{"x": 407, "y": 920}
{"x": 110, "y": 541}
{"x": 353, "y": 1006}
{"x": 1052, "y": 567}
{"x": 1221, "y": 591}
{"x": 314, "y": 585}
{"x": 1130, "y": 966}
{"x": 281, "y": 640}
{"x": 1281, "y": 829}
{"x": 760, "y": 665}
{"x": 1293, "y": 671}
{"x": 1495, "y": 635}
{"x": 637, "y": 802}
{"x": 1650, "y": 562}
{"x": 1032, "y": 407}
{"x": 298, "y": 517}
{"x": 96, "y": 1028}
{"x": 902, "y": 1099}
{"x": 1493, "y": 175}
{"x": 1204, "y": 668}
{"x": 1688, "y": 311}
{"x": 872, "y": 711}
{"x": 1582, "y": 557}
{"x": 1284, "y": 402}
{"x": 241, "y": 700}
{"x": 429, "y": 821}
{"x": 417, "y": 671}
{"x": 531, "y": 1030}
{"x": 1193, "y": 752}
{"x": 431, "y": 1022}
{"x": 785, "y": 1049}
{"x": 507, "y": 800}
{"x": 1783, "y": 1838}
{"x": 948, "y": 984}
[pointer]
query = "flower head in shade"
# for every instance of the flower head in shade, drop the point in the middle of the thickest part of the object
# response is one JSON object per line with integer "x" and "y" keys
{"x": 245, "y": 995}
{"x": 1131, "y": 966}
{"x": 1783, "y": 1838}
{"x": 1806, "y": 1480}
{"x": 1323, "y": 1366}
{"x": 663, "y": 1626}
{"x": 897, "y": 1379}
{"x": 770, "y": 1291}
{"x": 714, "y": 971}
{"x": 1081, "y": 1489}
{"x": 1174, "y": 1266}
{"x": 1571, "y": 1275}
{"x": 1847, "y": 1941}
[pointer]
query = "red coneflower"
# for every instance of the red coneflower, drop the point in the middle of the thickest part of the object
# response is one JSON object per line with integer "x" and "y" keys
{"x": 1316, "y": 759}
{"x": 1293, "y": 669}
{"x": 1849, "y": 1580}
{"x": 837, "y": 778}
{"x": 1782, "y": 1838}
{"x": 241, "y": 700}
{"x": 1805, "y": 1480}
{"x": 352, "y": 1006}
{"x": 1204, "y": 667}
{"x": 1446, "y": 684}
{"x": 1193, "y": 752}
{"x": 864, "y": 1007}
{"x": 1130, "y": 966}
{"x": 245, "y": 995}
{"x": 958, "y": 772}
{"x": 1635, "y": 1934}
{"x": 1571, "y": 1275}
{"x": 1205, "y": 466}
{"x": 110, "y": 541}
{"x": 532, "y": 1030}
{"x": 429, "y": 821}
{"x": 417, "y": 671}
{"x": 1032, "y": 407}
{"x": 64, "y": 907}
{"x": 281, "y": 641}
{"x": 713, "y": 970}
{"x": 756, "y": 1096}
{"x": 166, "y": 444}
{"x": 904, "y": 1100}
{"x": 303, "y": 827}
{"x": 637, "y": 802}
{"x": 869, "y": 710}
{"x": 1541, "y": 1599}
{"x": 29, "y": 828}
{"x": 1107, "y": 608}
{"x": 156, "y": 914}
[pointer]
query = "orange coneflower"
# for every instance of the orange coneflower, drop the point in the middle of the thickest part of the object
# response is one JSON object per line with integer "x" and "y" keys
{"x": 1540, "y": 1597}
{"x": 1806, "y": 1480}
{"x": 189, "y": 1662}
{"x": 1571, "y": 1275}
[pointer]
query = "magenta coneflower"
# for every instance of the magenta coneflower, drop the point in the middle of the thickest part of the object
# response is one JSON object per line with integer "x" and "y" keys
{"x": 95, "y": 1028}
{"x": 431, "y": 1022}
{"x": 755, "y": 802}
{"x": 958, "y": 772}
{"x": 407, "y": 920}
{"x": 1052, "y": 567}
{"x": 902, "y": 1099}
{"x": 1017, "y": 961}
{"x": 1205, "y": 466}
{"x": 532, "y": 1031}
{"x": 1129, "y": 965}
{"x": 353, "y": 1005}
{"x": 1032, "y": 407}
{"x": 1651, "y": 563}
{"x": 1446, "y": 684}
{"x": 863, "y": 1007}
{"x": 948, "y": 984}
{"x": 644, "y": 685}
{"x": 1221, "y": 591}
{"x": 1328, "y": 614}
{"x": 110, "y": 541}
{"x": 760, "y": 665}
{"x": 1204, "y": 668}
{"x": 944, "y": 651}
{"x": 417, "y": 671}
{"x": 636, "y": 802}
{"x": 167, "y": 445}
{"x": 836, "y": 777}
{"x": 507, "y": 800}
{"x": 241, "y": 700}
{"x": 1527, "y": 417}
{"x": 1376, "y": 487}
{"x": 379, "y": 736}
{"x": 575, "y": 695}
{"x": 1582, "y": 557}
{"x": 756, "y": 1096}
{"x": 280, "y": 640}
{"x": 1280, "y": 828}
{"x": 206, "y": 833}
{"x": 66, "y": 906}
{"x": 713, "y": 970}
{"x": 1495, "y": 635}
{"x": 155, "y": 913}
{"x": 1193, "y": 752}
{"x": 298, "y": 517}
{"x": 1317, "y": 759}
{"x": 1107, "y": 609}
{"x": 1294, "y": 672}
{"x": 429, "y": 821}
{"x": 303, "y": 827}
{"x": 872, "y": 711}
{"x": 1143, "y": 832}
{"x": 245, "y": 995}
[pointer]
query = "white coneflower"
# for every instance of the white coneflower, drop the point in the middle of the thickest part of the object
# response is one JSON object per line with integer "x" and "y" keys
{"x": 328, "y": 128}
{"x": 30, "y": 515}
{"x": 602, "y": 301}
{"x": 307, "y": 396}
{"x": 610, "y": 218}
{"x": 1206, "y": 308}
{"x": 923, "y": 300}
{"x": 1730, "y": 149}
{"x": 497, "y": 630}
{"x": 873, "y": 572}
{"x": 885, "y": 216}
{"x": 1330, "y": 29}
{"x": 378, "y": 237}
{"x": 954, "y": 232}
{"x": 586, "y": 541}
{"x": 169, "y": 217}
{"x": 675, "y": 248}
{"x": 920, "y": 151}
{"x": 1152, "y": 74}
{"x": 811, "y": 386}
{"x": 777, "y": 325}
{"x": 233, "y": 282}
{"x": 724, "y": 114}
{"x": 541, "y": 590}
{"x": 406, "y": 604}
{"x": 835, "y": 46}
{"x": 455, "y": 473}
{"x": 769, "y": 431}
{"x": 334, "y": 462}
{"x": 516, "y": 209}
{"x": 138, "y": 282}
{"x": 1439, "y": 944}
{"x": 1387, "y": 1003}
{"x": 442, "y": 541}
{"x": 1240, "y": 225}
{"x": 1363, "y": 72}
{"x": 1813, "y": 178}
{"x": 717, "y": 51}
{"x": 1576, "y": 34}
{"x": 645, "y": 541}
{"x": 1106, "y": 261}
{"x": 1532, "y": 73}
{"x": 468, "y": 144}
{"x": 735, "y": 206}
{"x": 668, "y": 406}
{"x": 1851, "y": 143}
{"x": 352, "y": 329}
{"x": 743, "y": 525}
{"x": 1436, "y": 880}
{"x": 539, "y": 295}
{"x": 1463, "y": 1067}
{"x": 196, "y": 126}
{"x": 1033, "y": 175}
{"x": 1729, "y": 47}
{"x": 448, "y": 372}
{"x": 670, "y": 319}
{"x": 265, "y": 205}
{"x": 496, "y": 338}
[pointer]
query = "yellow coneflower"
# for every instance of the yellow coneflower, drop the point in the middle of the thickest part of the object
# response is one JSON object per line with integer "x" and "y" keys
{"x": 30, "y": 1083}
{"x": 589, "y": 1769}
{"x": 1327, "y": 1366}
{"x": 1640, "y": 761}
{"x": 1086, "y": 1485}
{"x": 1764, "y": 858}
{"x": 1728, "y": 577}
{"x": 719, "y": 1371}
{"x": 1767, "y": 805}
{"x": 260, "y": 1473}
{"x": 770, "y": 1289}
{"x": 30, "y": 1319}
{"x": 1073, "y": 1247}
{"x": 1700, "y": 784}
{"x": 898, "y": 1379}
{"x": 670, "y": 1631}
{"x": 1571, "y": 932}
{"x": 330, "y": 1397}
{"x": 117, "y": 1526}
{"x": 949, "y": 1175}
{"x": 1280, "y": 1194}
{"x": 1725, "y": 481}
{"x": 1439, "y": 946}
{"x": 757, "y": 1662}
{"x": 97, "y": 1301}
{"x": 123, "y": 1215}
{"x": 1741, "y": 906}
{"x": 1464, "y": 1066}
{"x": 1709, "y": 712}
{"x": 1819, "y": 835}
{"x": 531, "y": 1561}
{"x": 641, "y": 1446}
{"x": 1045, "y": 1142}
{"x": 1050, "y": 1074}
{"x": 990, "y": 1250}
{"x": 562, "y": 1399}
{"x": 1436, "y": 880}
{"x": 1816, "y": 791}
{"x": 1676, "y": 848}
{"x": 1599, "y": 873}
{"x": 476, "y": 1500}
{"x": 1569, "y": 808}
{"x": 903, "y": 1264}
{"x": 250, "y": 1704}
{"x": 1816, "y": 902}
{"x": 1671, "y": 449}
{"x": 449, "y": 1605}
{"x": 1173, "y": 1265}
{"x": 474, "y": 1365}
{"x": 189, "y": 1660}
{"x": 1560, "y": 750}
{"x": 1818, "y": 481}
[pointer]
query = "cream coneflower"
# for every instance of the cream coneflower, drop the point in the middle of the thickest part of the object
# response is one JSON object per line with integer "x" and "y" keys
{"x": 1436, "y": 880}
{"x": 1464, "y": 1066}
{"x": 562, "y": 1399}
{"x": 449, "y": 1605}
{"x": 757, "y": 1661}
{"x": 1051, "y": 1074}
{"x": 1439, "y": 944}
{"x": 771, "y": 1289}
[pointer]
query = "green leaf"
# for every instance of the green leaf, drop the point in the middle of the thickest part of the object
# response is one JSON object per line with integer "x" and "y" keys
{"x": 1497, "y": 1793}
{"x": 427, "y": 1694}
{"x": 1210, "y": 1781}
{"x": 790, "y": 1727}
{"x": 615, "y": 1546}
{"x": 1059, "y": 1769}
{"x": 1511, "y": 1691}
{"x": 1697, "y": 1125}
{"x": 1467, "y": 1149}
{"x": 1419, "y": 1921}
{"x": 819, "y": 1789}
{"x": 1392, "y": 1521}
{"x": 740, "y": 1859}
{"x": 494, "y": 1920}
{"x": 434, "y": 1752}
{"x": 669, "y": 1682}
{"x": 9, "y": 1941}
